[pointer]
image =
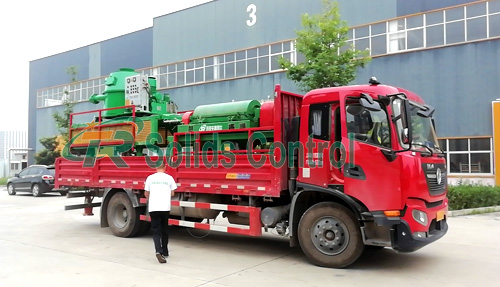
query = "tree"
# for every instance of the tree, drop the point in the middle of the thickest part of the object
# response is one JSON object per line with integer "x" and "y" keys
{"x": 329, "y": 60}
{"x": 53, "y": 145}
{"x": 49, "y": 154}
{"x": 62, "y": 120}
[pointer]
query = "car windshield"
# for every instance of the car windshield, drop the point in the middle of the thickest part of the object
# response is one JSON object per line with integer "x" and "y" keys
{"x": 423, "y": 133}
{"x": 51, "y": 171}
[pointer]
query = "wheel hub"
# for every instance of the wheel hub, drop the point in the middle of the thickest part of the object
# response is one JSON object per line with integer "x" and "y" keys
{"x": 330, "y": 235}
{"x": 121, "y": 216}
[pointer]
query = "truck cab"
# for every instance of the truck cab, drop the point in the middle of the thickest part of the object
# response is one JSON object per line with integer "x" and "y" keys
{"x": 373, "y": 149}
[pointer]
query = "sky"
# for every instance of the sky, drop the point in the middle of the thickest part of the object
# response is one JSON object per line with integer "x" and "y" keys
{"x": 31, "y": 30}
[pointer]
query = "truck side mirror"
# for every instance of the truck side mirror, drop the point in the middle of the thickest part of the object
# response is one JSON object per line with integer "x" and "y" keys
{"x": 427, "y": 112}
{"x": 407, "y": 132}
{"x": 405, "y": 136}
{"x": 16, "y": 175}
{"x": 370, "y": 105}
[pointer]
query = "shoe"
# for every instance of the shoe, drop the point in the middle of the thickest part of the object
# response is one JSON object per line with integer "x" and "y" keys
{"x": 165, "y": 255}
{"x": 160, "y": 258}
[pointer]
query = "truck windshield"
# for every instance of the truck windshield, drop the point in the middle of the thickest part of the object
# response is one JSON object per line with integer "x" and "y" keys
{"x": 424, "y": 137}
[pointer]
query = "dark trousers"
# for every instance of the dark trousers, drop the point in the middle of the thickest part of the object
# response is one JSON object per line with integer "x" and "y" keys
{"x": 159, "y": 224}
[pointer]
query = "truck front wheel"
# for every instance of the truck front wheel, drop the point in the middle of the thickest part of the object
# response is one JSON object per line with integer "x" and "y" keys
{"x": 330, "y": 236}
{"x": 123, "y": 218}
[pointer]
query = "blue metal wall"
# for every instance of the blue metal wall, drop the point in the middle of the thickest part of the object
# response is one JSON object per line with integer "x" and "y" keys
{"x": 406, "y": 7}
{"x": 253, "y": 88}
{"x": 132, "y": 50}
{"x": 44, "y": 118}
{"x": 51, "y": 71}
{"x": 461, "y": 95}
{"x": 221, "y": 26}
{"x": 47, "y": 72}
{"x": 460, "y": 81}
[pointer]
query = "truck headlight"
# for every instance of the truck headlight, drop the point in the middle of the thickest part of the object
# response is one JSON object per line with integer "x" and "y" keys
{"x": 420, "y": 217}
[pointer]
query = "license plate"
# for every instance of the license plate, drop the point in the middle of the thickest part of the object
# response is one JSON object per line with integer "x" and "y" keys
{"x": 440, "y": 215}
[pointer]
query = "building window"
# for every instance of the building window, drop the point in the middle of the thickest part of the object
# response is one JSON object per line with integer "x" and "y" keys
{"x": 494, "y": 30}
{"x": 362, "y": 37}
{"x": 378, "y": 44}
{"x": 476, "y": 29}
{"x": 455, "y": 32}
{"x": 468, "y": 155}
{"x": 378, "y": 29}
{"x": 397, "y": 37}
{"x": 475, "y": 10}
{"x": 435, "y": 35}
{"x": 456, "y": 25}
{"x": 378, "y": 41}
{"x": 415, "y": 38}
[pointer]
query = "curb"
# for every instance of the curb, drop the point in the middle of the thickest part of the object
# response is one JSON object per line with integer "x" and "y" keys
{"x": 479, "y": 210}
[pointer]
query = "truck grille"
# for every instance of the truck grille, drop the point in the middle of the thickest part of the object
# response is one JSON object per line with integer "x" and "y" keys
{"x": 435, "y": 175}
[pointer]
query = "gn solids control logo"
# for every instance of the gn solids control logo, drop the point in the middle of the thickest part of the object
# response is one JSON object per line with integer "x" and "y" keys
{"x": 204, "y": 128}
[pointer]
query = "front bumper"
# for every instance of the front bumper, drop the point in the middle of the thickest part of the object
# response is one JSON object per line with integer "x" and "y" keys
{"x": 403, "y": 240}
{"x": 406, "y": 234}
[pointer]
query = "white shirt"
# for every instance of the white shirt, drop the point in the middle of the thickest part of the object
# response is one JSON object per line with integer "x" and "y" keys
{"x": 160, "y": 186}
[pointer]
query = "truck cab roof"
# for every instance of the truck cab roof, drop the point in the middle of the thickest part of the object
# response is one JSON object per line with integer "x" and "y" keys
{"x": 334, "y": 94}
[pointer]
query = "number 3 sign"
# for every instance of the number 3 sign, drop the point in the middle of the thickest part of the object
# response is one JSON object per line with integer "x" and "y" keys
{"x": 252, "y": 9}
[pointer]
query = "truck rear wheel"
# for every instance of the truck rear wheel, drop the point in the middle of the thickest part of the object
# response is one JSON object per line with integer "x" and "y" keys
{"x": 123, "y": 218}
{"x": 330, "y": 236}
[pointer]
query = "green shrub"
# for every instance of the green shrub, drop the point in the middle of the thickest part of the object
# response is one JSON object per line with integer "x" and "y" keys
{"x": 3, "y": 181}
{"x": 465, "y": 196}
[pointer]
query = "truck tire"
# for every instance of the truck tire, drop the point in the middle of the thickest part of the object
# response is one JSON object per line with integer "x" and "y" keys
{"x": 329, "y": 235}
{"x": 10, "y": 189}
{"x": 35, "y": 190}
{"x": 123, "y": 218}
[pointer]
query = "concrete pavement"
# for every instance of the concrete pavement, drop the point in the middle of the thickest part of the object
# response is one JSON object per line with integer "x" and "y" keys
{"x": 43, "y": 245}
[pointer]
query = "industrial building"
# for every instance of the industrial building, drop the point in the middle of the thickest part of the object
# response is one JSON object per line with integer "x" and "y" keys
{"x": 13, "y": 152}
{"x": 448, "y": 52}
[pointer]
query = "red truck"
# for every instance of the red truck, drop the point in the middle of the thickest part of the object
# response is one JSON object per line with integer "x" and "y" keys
{"x": 334, "y": 171}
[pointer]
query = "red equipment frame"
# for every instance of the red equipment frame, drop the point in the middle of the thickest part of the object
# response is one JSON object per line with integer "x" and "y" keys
{"x": 99, "y": 125}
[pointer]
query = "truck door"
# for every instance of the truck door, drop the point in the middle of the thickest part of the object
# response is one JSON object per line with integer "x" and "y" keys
{"x": 335, "y": 153}
{"x": 369, "y": 175}
{"x": 323, "y": 130}
{"x": 316, "y": 169}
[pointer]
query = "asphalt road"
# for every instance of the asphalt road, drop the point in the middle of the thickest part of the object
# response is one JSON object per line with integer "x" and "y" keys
{"x": 43, "y": 245}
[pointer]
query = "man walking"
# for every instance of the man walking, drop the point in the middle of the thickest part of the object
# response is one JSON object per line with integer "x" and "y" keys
{"x": 159, "y": 189}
